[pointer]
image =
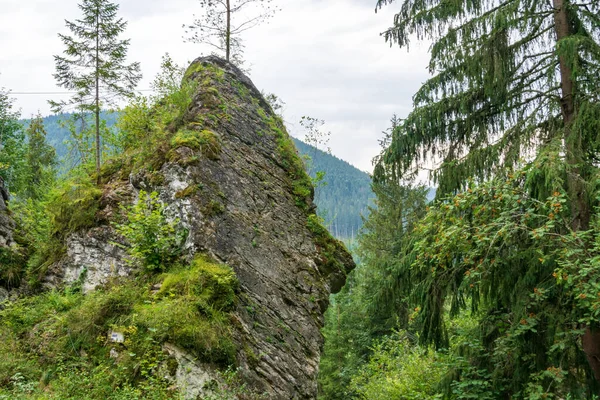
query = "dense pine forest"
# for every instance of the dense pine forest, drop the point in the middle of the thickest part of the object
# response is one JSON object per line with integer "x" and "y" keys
{"x": 475, "y": 240}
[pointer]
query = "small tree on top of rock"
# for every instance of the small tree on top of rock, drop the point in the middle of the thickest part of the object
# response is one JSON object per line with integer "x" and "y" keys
{"x": 93, "y": 64}
{"x": 220, "y": 26}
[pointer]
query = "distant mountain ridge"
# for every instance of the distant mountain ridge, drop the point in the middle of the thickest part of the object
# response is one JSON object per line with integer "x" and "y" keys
{"x": 344, "y": 197}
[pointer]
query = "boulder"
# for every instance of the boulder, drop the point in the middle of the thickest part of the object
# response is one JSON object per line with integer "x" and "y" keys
{"x": 234, "y": 180}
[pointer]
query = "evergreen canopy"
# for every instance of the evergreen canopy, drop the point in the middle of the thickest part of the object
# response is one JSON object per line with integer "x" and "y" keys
{"x": 94, "y": 62}
{"x": 11, "y": 142}
{"x": 514, "y": 84}
{"x": 510, "y": 78}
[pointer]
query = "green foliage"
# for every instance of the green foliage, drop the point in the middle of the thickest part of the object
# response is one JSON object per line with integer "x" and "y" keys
{"x": 174, "y": 94}
{"x": 399, "y": 369}
{"x": 56, "y": 344}
{"x": 349, "y": 337}
{"x": 527, "y": 277}
{"x": 12, "y": 145}
{"x": 154, "y": 242}
{"x": 146, "y": 126}
{"x": 40, "y": 162}
{"x": 94, "y": 65}
{"x": 511, "y": 80}
{"x": 495, "y": 95}
{"x": 12, "y": 266}
{"x": 370, "y": 307}
{"x": 68, "y": 207}
{"x": 73, "y": 206}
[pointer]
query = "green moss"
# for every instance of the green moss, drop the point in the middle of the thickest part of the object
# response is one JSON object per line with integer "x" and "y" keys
{"x": 62, "y": 337}
{"x": 215, "y": 283}
{"x": 207, "y": 70}
{"x": 112, "y": 167}
{"x": 156, "y": 178}
{"x": 205, "y": 140}
{"x": 302, "y": 187}
{"x": 214, "y": 208}
{"x": 75, "y": 207}
{"x": 187, "y": 192}
{"x": 253, "y": 359}
{"x": 330, "y": 249}
{"x": 242, "y": 90}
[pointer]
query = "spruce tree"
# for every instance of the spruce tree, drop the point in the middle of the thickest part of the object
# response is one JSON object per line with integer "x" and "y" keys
{"x": 514, "y": 82}
{"x": 94, "y": 63}
{"x": 12, "y": 148}
{"x": 510, "y": 77}
{"x": 41, "y": 159}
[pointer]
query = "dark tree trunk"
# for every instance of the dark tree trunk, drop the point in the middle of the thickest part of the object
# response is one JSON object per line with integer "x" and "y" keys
{"x": 580, "y": 208}
{"x": 97, "y": 101}
{"x": 228, "y": 32}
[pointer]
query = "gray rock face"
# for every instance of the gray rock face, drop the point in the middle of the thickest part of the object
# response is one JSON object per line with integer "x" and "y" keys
{"x": 92, "y": 257}
{"x": 6, "y": 223}
{"x": 240, "y": 196}
{"x": 192, "y": 378}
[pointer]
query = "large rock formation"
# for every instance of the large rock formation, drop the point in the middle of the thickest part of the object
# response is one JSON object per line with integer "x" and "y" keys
{"x": 235, "y": 181}
{"x": 6, "y": 223}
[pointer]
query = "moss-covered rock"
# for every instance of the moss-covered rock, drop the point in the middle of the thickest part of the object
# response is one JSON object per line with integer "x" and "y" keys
{"x": 70, "y": 333}
{"x": 225, "y": 168}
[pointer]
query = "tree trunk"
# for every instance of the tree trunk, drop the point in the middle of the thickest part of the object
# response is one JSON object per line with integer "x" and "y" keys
{"x": 580, "y": 208}
{"x": 228, "y": 32}
{"x": 97, "y": 101}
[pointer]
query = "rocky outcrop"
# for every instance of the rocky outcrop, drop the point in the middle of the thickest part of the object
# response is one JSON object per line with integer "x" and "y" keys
{"x": 237, "y": 185}
{"x": 6, "y": 223}
{"x": 93, "y": 257}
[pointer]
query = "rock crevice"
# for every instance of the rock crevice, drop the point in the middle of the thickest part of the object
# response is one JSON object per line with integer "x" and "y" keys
{"x": 6, "y": 223}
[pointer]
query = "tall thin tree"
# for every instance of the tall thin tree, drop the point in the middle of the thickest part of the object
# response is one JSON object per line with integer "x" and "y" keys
{"x": 41, "y": 160}
{"x": 94, "y": 63}
{"x": 221, "y": 28}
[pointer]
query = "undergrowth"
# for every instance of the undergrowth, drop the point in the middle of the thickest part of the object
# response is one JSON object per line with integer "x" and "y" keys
{"x": 56, "y": 345}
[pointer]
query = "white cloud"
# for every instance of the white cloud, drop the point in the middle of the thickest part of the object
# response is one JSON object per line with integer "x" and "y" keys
{"x": 323, "y": 58}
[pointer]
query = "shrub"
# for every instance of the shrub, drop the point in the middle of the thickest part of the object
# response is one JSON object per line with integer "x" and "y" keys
{"x": 155, "y": 242}
{"x": 55, "y": 345}
{"x": 12, "y": 266}
{"x": 399, "y": 369}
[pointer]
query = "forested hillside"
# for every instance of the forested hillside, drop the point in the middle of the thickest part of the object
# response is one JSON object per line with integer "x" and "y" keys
{"x": 342, "y": 197}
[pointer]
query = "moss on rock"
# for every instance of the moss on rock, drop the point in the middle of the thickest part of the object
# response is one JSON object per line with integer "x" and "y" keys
{"x": 205, "y": 140}
{"x": 69, "y": 333}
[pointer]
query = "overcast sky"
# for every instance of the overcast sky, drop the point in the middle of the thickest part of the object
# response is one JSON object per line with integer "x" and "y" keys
{"x": 324, "y": 58}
